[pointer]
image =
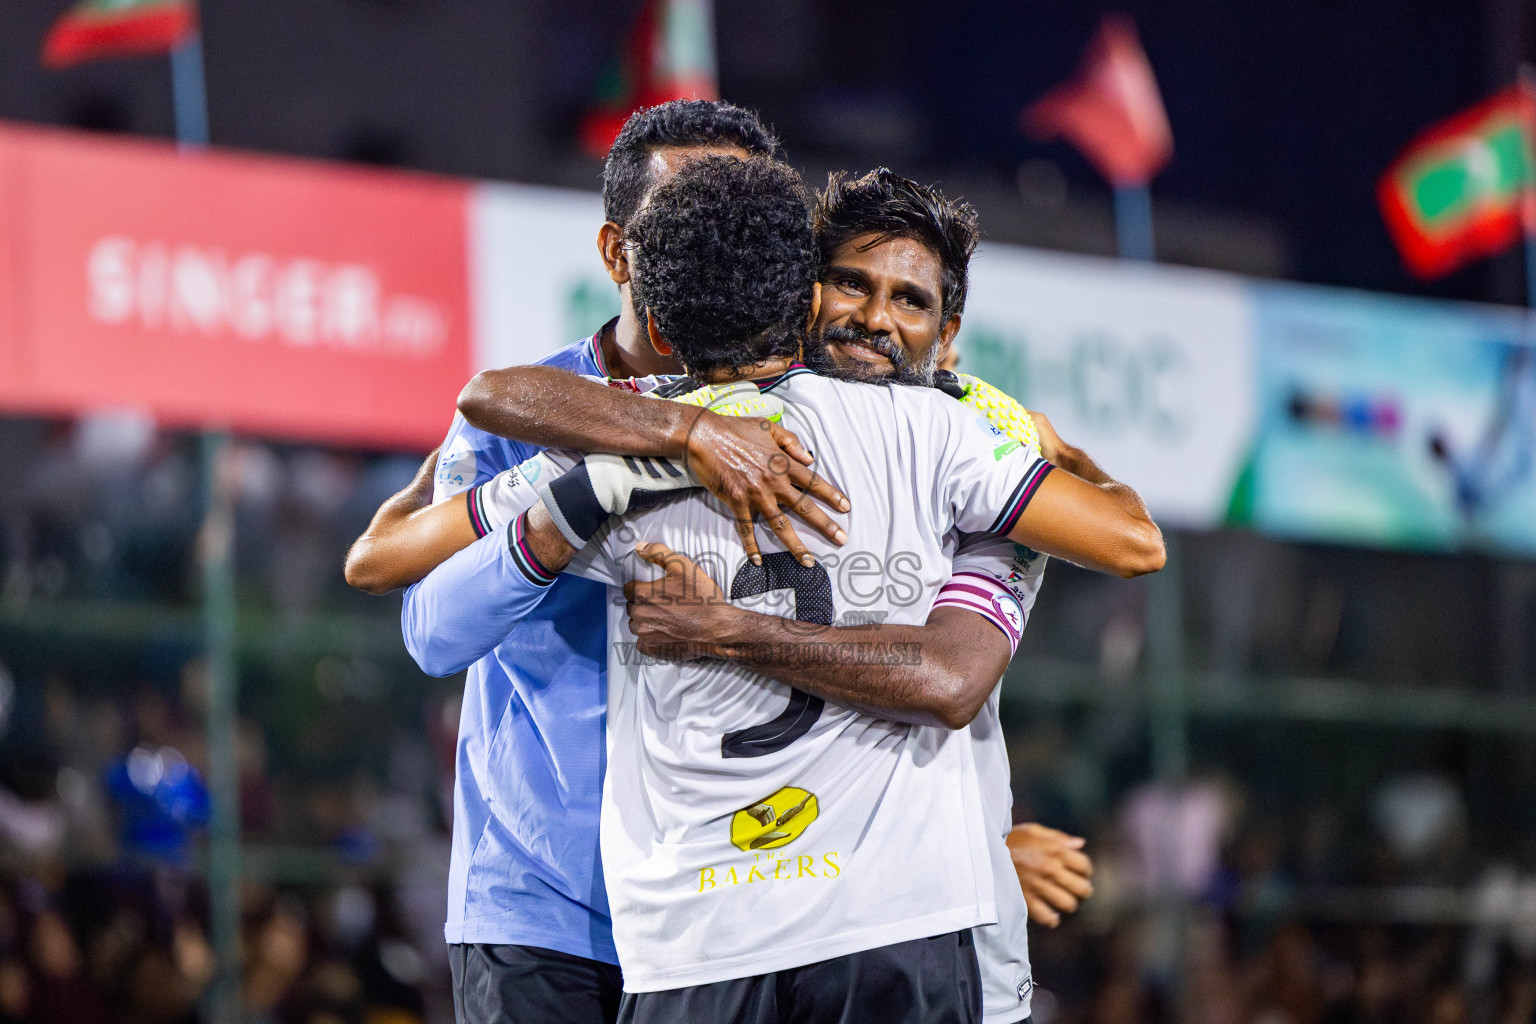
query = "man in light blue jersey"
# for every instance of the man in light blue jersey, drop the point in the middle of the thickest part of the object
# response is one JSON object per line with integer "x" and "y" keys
{"x": 528, "y": 915}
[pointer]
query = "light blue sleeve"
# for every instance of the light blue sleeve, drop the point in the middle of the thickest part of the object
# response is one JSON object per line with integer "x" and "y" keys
{"x": 468, "y": 605}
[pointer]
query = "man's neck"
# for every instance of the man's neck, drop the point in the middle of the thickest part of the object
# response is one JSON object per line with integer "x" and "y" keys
{"x": 627, "y": 348}
{"x": 756, "y": 371}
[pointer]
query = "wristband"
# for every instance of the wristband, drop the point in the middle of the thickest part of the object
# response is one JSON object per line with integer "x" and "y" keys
{"x": 581, "y": 500}
{"x": 523, "y": 557}
{"x": 509, "y": 493}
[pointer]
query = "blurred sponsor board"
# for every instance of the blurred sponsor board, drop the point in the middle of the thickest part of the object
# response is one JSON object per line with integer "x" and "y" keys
{"x": 1148, "y": 368}
{"x": 268, "y": 296}
{"x": 295, "y": 299}
{"x": 1306, "y": 412}
{"x": 1391, "y": 421}
{"x": 538, "y": 281}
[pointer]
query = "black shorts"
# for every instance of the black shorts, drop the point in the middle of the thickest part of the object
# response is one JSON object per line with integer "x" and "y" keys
{"x": 925, "y": 981}
{"x": 529, "y": 985}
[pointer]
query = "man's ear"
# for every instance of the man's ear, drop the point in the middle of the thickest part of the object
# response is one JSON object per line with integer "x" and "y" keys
{"x": 947, "y": 335}
{"x": 610, "y": 245}
{"x": 657, "y": 341}
{"x": 815, "y": 306}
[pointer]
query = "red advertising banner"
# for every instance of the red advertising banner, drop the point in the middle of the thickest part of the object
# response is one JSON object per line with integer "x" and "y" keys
{"x": 10, "y": 305}
{"x": 267, "y": 296}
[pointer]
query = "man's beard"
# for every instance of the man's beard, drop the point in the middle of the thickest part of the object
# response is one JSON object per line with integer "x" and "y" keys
{"x": 818, "y": 356}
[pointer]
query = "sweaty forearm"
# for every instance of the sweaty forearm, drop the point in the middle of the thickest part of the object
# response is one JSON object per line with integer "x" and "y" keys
{"x": 939, "y": 673}
{"x": 374, "y": 561}
{"x": 1104, "y": 527}
{"x": 551, "y": 408}
{"x": 1080, "y": 464}
{"x": 403, "y": 550}
{"x": 543, "y": 542}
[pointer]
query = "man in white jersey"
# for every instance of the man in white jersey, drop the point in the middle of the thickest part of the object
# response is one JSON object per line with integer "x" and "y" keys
{"x": 869, "y": 918}
{"x": 893, "y": 287}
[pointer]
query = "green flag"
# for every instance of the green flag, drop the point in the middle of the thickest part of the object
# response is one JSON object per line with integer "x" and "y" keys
{"x": 1460, "y": 191}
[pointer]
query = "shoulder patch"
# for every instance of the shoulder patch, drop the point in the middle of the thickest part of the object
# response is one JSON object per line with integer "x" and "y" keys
{"x": 456, "y": 467}
{"x": 989, "y": 428}
{"x": 1027, "y": 564}
{"x": 530, "y": 471}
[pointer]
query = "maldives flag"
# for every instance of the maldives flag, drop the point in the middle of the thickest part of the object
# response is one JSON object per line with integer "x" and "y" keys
{"x": 1462, "y": 189}
{"x": 1111, "y": 109}
{"x": 670, "y": 55}
{"x": 118, "y": 28}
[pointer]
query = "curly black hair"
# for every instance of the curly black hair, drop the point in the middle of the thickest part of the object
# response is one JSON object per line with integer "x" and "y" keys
{"x": 725, "y": 262}
{"x": 678, "y": 124}
{"x": 884, "y": 203}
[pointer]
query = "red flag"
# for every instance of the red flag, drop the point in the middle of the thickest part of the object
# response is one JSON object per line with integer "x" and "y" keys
{"x": 1462, "y": 189}
{"x": 670, "y": 56}
{"x": 1111, "y": 109}
{"x": 118, "y": 28}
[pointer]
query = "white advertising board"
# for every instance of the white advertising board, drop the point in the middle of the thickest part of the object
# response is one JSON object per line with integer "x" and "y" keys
{"x": 536, "y": 281}
{"x": 1150, "y": 369}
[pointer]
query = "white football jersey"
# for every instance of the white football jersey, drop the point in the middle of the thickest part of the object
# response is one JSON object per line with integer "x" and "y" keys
{"x": 747, "y": 827}
{"x": 1000, "y": 580}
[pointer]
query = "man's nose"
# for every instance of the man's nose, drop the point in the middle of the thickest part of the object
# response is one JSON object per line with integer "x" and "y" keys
{"x": 874, "y": 315}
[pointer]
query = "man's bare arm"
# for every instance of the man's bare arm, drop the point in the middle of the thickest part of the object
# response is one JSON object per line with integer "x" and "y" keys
{"x": 1087, "y": 518}
{"x": 940, "y": 673}
{"x": 1068, "y": 457}
{"x": 553, "y": 408}
{"x": 408, "y": 536}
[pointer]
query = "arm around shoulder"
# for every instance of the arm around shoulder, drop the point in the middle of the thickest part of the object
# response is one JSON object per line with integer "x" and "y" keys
{"x": 1105, "y": 527}
{"x": 553, "y": 408}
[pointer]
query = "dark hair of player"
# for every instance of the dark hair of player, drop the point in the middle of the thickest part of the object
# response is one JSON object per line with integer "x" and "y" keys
{"x": 889, "y": 206}
{"x": 679, "y": 124}
{"x": 725, "y": 262}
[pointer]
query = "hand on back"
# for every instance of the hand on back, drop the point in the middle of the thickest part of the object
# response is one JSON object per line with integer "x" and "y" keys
{"x": 759, "y": 468}
{"x": 1053, "y": 871}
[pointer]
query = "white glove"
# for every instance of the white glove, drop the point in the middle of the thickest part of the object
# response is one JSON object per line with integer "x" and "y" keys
{"x": 581, "y": 500}
{"x": 514, "y": 491}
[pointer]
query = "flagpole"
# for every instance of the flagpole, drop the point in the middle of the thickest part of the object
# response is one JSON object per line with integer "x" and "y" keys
{"x": 1168, "y": 721}
{"x": 1133, "y": 222}
{"x": 189, "y": 93}
{"x": 189, "y": 97}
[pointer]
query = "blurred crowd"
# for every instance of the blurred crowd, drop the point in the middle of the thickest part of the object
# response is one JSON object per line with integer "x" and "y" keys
{"x": 1211, "y": 906}
{"x": 103, "y": 916}
{"x": 107, "y": 508}
{"x": 103, "y": 799}
{"x": 1217, "y": 904}
{"x": 1292, "y": 973}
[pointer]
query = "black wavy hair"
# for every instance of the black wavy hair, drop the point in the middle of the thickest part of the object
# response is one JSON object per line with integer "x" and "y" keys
{"x": 884, "y": 203}
{"x": 725, "y": 262}
{"x": 678, "y": 124}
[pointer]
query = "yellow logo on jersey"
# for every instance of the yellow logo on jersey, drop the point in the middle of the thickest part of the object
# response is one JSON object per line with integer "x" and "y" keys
{"x": 776, "y": 820}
